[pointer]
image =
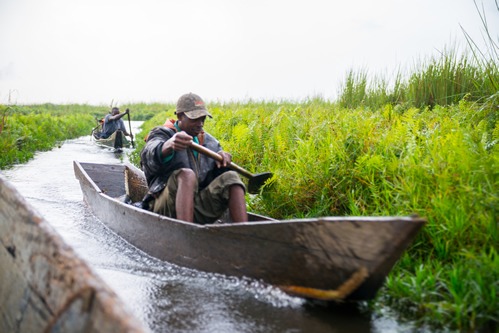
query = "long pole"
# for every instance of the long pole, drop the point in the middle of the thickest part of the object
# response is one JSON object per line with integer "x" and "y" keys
{"x": 130, "y": 127}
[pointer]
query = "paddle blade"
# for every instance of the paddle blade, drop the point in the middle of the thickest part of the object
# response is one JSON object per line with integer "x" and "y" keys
{"x": 257, "y": 181}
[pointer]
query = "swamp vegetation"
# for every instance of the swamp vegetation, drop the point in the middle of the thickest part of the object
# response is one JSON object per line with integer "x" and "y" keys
{"x": 441, "y": 163}
{"x": 427, "y": 143}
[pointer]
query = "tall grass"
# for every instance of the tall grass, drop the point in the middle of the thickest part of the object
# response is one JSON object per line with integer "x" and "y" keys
{"x": 144, "y": 111}
{"x": 26, "y": 130}
{"x": 444, "y": 79}
{"x": 440, "y": 163}
{"x": 424, "y": 143}
{"x": 438, "y": 156}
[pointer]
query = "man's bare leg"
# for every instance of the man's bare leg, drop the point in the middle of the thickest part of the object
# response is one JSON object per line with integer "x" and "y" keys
{"x": 184, "y": 202}
{"x": 237, "y": 204}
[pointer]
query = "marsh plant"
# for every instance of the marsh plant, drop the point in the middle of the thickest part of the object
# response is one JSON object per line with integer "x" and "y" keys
{"x": 439, "y": 162}
{"x": 437, "y": 80}
{"x": 427, "y": 143}
{"x": 26, "y": 130}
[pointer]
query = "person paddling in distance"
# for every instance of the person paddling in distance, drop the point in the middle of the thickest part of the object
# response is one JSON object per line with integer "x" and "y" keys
{"x": 183, "y": 183}
{"x": 113, "y": 122}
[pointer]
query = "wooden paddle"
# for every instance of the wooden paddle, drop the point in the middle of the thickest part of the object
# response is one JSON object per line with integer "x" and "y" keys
{"x": 130, "y": 127}
{"x": 96, "y": 127}
{"x": 255, "y": 181}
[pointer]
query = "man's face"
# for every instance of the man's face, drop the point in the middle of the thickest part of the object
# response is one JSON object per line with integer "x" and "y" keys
{"x": 191, "y": 126}
{"x": 115, "y": 111}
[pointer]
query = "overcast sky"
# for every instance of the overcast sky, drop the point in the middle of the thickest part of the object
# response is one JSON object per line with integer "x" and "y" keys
{"x": 99, "y": 51}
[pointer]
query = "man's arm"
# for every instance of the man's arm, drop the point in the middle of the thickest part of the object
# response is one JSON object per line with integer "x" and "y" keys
{"x": 152, "y": 154}
{"x": 178, "y": 142}
{"x": 119, "y": 115}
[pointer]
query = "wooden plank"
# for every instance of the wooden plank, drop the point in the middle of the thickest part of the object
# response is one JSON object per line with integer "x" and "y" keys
{"x": 45, "y": 286}
{"x": 109, "y": 178}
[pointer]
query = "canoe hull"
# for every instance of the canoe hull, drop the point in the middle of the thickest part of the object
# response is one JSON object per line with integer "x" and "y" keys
{"x": 44, "y": 285}
{"x": 319, "y": 254}
{"x": 117, "y": 140}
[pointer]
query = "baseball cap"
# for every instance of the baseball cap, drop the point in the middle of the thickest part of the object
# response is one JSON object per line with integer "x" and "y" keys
{"x": 192, "y": 106}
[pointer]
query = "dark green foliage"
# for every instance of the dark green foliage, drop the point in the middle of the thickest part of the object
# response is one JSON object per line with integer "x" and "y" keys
{"x": 26, "y": 130}
{"x": 440, "y": 163}
{"x": 425, "y": 143}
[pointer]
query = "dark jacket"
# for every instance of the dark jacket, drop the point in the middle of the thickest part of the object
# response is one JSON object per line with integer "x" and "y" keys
{"x": 157, "y": 172}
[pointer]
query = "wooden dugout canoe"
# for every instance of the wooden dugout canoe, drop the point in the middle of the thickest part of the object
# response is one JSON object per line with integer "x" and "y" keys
{"x": 117, "y": 140}
{"x": 329, "y": 258}
{"x": 44, "y": 285}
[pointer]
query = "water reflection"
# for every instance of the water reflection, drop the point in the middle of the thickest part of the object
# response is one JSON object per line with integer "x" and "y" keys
{"x": 166, "y": 297}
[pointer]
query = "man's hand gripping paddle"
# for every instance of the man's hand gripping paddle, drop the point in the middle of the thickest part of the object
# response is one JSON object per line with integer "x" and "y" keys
{"x": 255, "y": 181}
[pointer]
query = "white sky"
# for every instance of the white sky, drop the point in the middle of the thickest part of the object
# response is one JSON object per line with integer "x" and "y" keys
{"x": 99, "y": 51}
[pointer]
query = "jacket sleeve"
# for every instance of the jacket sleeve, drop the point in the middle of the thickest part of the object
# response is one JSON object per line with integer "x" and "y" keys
{"x": 150, "y": 156}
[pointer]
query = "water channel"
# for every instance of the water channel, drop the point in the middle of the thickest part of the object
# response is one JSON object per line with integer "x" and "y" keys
{"x": 165, "y": 297}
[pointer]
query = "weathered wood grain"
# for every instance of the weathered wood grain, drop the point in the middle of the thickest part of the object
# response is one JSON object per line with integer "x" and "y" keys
{"x": 44, "y": 285}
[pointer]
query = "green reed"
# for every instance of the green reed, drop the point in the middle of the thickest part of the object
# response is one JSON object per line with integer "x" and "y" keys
{"x": 424, "y": 143}
{"x": 440, "y": 163}
{"x": 442, "y": 80}
{"x": 26, "y": 130}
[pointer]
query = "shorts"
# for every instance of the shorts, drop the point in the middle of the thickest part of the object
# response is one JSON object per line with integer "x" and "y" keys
{"x": 209, "y": 204}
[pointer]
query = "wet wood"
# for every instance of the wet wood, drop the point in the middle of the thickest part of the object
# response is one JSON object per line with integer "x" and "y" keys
{"x": 338, "y": 258}
{"x": 116, "y": 140}
{"x": 45, "y": 286}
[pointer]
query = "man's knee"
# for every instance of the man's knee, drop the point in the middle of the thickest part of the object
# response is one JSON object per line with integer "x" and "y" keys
{"x": 186, "y": 173}
{"x": 186, "y": 177}
{"x": 237, "y": 188}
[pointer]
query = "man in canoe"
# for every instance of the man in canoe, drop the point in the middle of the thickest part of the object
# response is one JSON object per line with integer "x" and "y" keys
{"x": 185, "y": 184}
{"x": 113, "y": 122}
